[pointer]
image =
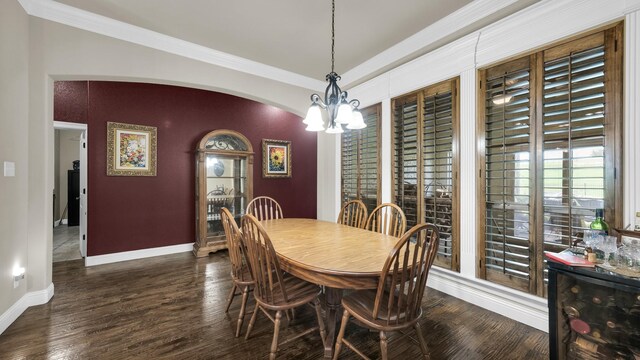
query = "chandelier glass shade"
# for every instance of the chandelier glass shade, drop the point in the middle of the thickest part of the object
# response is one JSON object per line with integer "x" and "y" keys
{"x": 337, "y": 108}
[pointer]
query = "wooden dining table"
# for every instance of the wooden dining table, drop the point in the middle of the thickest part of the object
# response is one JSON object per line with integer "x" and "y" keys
{"x": 336, "y": 256}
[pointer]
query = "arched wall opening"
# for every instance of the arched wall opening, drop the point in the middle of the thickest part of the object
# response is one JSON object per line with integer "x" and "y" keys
{"x": 141, "y": 212}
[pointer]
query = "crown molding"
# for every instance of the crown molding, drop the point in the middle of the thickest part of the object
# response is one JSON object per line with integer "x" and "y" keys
{"x": 456, "y": 21}
{"x": 549, "y": 20}
{"x": 84, "y": 20}
{"x": 441, "y": 64}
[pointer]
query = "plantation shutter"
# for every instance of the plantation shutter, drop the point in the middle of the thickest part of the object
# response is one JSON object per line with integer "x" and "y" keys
{"x": 578, "y": 137}
{"x": 349, "y": 166}
{"x": 405, "y": 134}
{"x": 369, "y": 151}
{"x": 573, "y": 145}
{"x": 550, "y": 128}
{"x": 508, "y": 244}
{"x": 440, "y": 168}
{"x": 360, "y": 158}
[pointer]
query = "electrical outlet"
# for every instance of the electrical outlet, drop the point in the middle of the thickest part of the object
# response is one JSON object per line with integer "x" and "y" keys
{"x": 9, "y": 169}
{"x": 637, "y": 227}
{"x": 18, "y": 274}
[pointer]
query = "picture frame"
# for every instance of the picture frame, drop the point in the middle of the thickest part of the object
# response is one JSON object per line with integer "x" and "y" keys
{"x": 276, "y": 158}
{"x": 131, "y": 149}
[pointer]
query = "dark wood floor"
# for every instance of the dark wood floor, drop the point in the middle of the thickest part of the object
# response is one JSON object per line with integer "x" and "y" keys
{"x": 173, "y": 307}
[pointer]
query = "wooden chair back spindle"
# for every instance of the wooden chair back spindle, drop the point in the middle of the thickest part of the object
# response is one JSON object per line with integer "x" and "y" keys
{"x": 234, "y": 244}
{"x": 263, "y": 261}
{"x": 265, "y": 208}
{"x": 353, "y": 213}
{"x": 407, "y": 269}
{"x": 387, "y": 219}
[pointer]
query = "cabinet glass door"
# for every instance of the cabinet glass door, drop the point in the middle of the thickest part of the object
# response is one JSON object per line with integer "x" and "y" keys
{"x": 596, "y": 319}
{"x": 226, "y": 186}
{"x": 224, "y": 173}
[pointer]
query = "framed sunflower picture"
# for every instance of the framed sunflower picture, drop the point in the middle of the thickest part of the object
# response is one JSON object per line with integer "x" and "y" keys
{"x": 131, "y": 150}
{"x": 276, "y": 158}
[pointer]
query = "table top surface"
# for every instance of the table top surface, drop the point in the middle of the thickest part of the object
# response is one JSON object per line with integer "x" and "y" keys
{"x": 328, "y": 247}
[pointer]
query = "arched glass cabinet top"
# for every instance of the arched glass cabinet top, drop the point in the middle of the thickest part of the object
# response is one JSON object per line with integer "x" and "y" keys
{"x": 224, "y": 178}
{"x": 226, "y": 142}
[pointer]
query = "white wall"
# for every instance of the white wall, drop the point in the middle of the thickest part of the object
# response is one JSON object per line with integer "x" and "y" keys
{"x": 14, "y": 147}
{"x": 532, "y": 28}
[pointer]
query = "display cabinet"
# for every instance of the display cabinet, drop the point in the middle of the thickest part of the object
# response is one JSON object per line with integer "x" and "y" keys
{"x": 593, "y": 314}
{"x": 224, "y": 178}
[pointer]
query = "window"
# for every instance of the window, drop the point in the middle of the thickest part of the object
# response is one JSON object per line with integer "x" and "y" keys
{"x": 361, "y": 160}
{"x": 549, "y": 129}
{"x": 425, "y": 135}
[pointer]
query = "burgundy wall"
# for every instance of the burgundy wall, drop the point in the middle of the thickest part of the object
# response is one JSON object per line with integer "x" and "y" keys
{"x": 131, "y": 213}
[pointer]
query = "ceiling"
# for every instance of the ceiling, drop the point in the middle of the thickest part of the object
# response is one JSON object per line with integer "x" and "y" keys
{"x": 295, "y": 35}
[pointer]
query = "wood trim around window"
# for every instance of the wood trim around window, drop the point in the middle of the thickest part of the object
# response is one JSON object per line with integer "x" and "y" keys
{"x": 612, "y": 39}
{"x": 418, "y": 97}
{"x": 357, "y": 136}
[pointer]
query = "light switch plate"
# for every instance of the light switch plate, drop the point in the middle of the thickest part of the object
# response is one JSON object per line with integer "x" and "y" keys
{"x": 9, "y": 168}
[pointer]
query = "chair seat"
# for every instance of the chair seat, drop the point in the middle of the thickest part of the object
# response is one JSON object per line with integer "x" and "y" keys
{"x": 299, "y": 292}
{"x": 244, "y": 279}
{"x": 361, "y": 303}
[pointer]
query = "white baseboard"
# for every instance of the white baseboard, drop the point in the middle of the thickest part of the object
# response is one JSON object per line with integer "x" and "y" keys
{"x": 137, "y": 254}
{"x": 29, "y": 299}
{"x": 525, "y": 308}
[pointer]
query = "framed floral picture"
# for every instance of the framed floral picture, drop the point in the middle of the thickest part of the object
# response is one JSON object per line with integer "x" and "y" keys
{"x": 276, "y": 158}
{"x": 131, "y": 150}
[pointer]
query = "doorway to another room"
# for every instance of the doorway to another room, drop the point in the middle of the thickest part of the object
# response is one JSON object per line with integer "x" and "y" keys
{"x": 69, "y": 195}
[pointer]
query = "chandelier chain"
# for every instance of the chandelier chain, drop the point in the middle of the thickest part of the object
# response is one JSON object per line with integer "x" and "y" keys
{"x": 333, "y": 33}
{"x": 338, "y": 109}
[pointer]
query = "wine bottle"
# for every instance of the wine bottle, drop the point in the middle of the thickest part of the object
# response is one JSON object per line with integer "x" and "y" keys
{"x": 599, "y": 223}
{"x": 575, "y": 289}
{"x": 579, "y": 326}
{"x": 575, "y": 310}
{"x": 601, "y": 298}
{"x": 609, "y": 351}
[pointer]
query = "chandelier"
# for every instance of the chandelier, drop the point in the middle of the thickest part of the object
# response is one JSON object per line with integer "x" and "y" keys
{"x": 338, "y": 108}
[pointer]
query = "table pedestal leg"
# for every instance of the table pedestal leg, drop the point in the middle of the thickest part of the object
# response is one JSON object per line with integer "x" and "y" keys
{"x": 334, "y": 312}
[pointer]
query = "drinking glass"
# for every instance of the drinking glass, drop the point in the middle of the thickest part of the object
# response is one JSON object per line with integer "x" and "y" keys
{"x": 630, "y": 255}
{"x": 590, "y": 238}
{"x": 609, "y": 245}
{"x": 595, "y": 239}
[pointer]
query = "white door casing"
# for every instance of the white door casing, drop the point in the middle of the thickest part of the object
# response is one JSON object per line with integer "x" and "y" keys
{"x": 84, "y": 147}
{"x": 83, "y": 193}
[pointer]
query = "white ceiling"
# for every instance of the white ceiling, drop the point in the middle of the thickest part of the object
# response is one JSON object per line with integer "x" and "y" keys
{"x": 294, "y": 35}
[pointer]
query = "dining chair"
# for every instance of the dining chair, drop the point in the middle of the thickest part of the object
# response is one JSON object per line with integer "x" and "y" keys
{"x": 396, "y": 304}
{"x": 275, "y": 290}
{"x": 387, "y": 219}
{"x": 353, "y": 213}
{"x": 240, "y": 271}
{"x": 264, "y": 208}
